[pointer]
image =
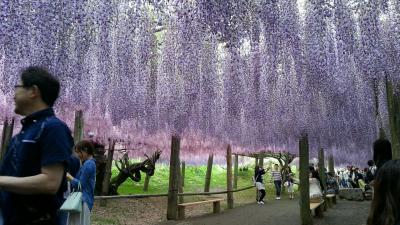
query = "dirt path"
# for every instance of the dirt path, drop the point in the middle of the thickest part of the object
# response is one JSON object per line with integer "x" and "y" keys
{"x": 283, "y": 212}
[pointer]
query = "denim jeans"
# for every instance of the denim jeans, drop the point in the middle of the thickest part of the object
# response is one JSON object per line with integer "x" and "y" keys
{"x": 278, "y": 185}
{"x": 1, "y": 218}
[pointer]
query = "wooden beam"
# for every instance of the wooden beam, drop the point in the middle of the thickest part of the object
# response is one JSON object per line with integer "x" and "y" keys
{"x": 229, "y": 177}
{"x": 208, "y": 173}
{"x": 236, "y": 172}
{"x": 107, "y": 172}
{"x": 304, "y": 182}
{"x": 174, "y": 169}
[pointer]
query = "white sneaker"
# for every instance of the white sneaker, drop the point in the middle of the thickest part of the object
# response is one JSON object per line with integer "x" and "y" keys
{"x": 258, "y": 202}
{"x": 261, "y": 202}
{"x": 278, "y": 198}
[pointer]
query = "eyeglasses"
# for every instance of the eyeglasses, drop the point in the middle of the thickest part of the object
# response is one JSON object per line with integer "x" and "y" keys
{"x": 20, "y": 85}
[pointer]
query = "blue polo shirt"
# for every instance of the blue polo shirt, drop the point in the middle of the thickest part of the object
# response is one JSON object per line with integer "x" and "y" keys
{"x": 43, "y": 140}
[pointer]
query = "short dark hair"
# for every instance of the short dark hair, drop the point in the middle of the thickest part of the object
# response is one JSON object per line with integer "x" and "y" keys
{"x": 382, "y": 152}
{"x": 85, "y": 146}
{"x": 48, "y": 85}
{"x": 370, "y": 162}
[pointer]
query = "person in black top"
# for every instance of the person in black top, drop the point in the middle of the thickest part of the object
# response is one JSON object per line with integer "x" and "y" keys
{"x": 385, "y": 207}
{"x": 37, "y": 157}
{"x": 258, "y": 177}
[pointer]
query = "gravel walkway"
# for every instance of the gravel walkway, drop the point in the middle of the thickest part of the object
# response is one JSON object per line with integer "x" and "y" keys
{"x": 283, "y": 212}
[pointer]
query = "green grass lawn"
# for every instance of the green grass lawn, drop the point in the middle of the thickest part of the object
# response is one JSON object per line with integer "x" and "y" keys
{"x": 194, "y": 180}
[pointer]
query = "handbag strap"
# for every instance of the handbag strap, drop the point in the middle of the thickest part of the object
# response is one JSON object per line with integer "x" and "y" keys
{"x": 78, "y": 189}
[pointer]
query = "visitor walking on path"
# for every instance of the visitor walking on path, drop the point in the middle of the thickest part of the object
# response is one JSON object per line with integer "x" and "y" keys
{"x": 290, "y": 185}
{"x": 277, "y": 178}
{"x": 36, "y": 158}
{"x": 258, "y": 177}
{"x": 385, "y": 207}
{"x": 86, "y": 180}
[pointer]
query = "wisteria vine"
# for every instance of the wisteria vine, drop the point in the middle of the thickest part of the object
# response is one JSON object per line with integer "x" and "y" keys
{"x": 252, "y": 73}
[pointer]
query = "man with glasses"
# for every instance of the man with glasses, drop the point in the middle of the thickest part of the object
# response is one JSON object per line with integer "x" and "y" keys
{"x": 32, "y": 174}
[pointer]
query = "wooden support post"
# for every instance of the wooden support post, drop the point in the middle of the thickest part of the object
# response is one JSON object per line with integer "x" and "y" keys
{"x": 183, "y": 173}
{"x": 261, "y": 160}
{"x": 78, "y": 128}
{"x": 321, "y": 167}
{"x": 236, "y": 172}
{"x": 255, "y": 167}
{"x": 217, "y": 207}
{"x": 8, "y": 129}
{"x": 173, "y": 179}
{"x": 393, "y": 100}
{"x": 304, "y": 182}
{"x": 208, "y": 173}
{"x": 107, "y": 172}
{"x": 331, "y": 165}
{"x": 181, "y": 181}
{"x": 322, "y": 175}
{"x": 229, "y": 177}
{"x": 146, "y": 183}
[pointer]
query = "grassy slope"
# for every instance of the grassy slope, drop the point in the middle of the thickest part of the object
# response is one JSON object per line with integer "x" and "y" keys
{"x": 194, "y": 180}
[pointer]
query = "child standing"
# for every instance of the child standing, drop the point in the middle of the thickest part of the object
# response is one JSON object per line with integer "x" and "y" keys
{"x": 290, "y": 184}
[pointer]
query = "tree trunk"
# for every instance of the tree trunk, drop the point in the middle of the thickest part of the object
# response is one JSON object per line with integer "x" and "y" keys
{"x": 229, "y": 177}
{"x": 208, "y": 173}
{"x": 236, "y": 172}
{"x": 304, "y": 182}
{"x": 107, "y": 175}
{"x": 173, "y": 179}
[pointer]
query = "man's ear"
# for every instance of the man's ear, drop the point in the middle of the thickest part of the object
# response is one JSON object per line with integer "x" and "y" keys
{"x": 35, "y": 92}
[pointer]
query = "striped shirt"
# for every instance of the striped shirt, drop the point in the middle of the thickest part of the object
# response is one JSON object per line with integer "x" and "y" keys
{"x": 276, "y": 175}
